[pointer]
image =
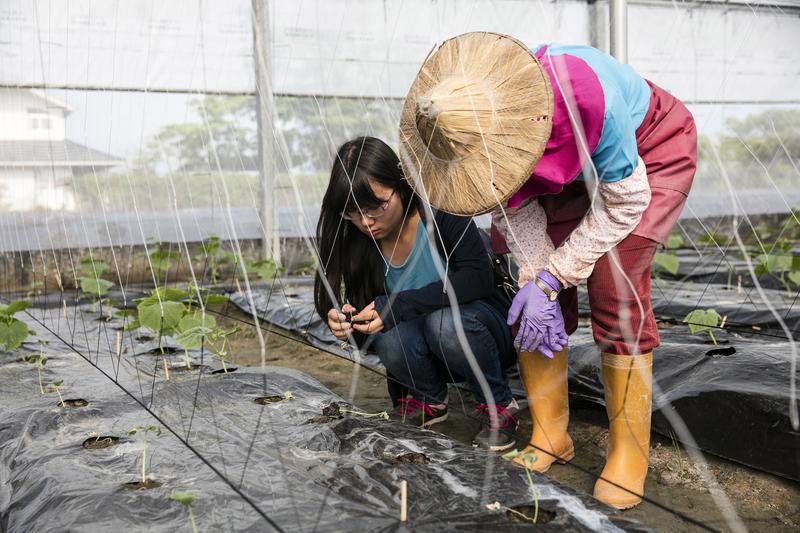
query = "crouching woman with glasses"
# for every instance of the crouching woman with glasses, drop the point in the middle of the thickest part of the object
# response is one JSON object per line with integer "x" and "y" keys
{"x": 383, "y": 263}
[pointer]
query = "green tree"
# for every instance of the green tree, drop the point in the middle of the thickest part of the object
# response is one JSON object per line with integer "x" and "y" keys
{"x": 229, "y": 121}
{"x": 310, "y": 128}
{"x": 771, "y": 138}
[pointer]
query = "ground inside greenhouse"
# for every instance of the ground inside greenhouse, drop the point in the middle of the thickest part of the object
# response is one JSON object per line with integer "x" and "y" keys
{"x": 763, "y": 502}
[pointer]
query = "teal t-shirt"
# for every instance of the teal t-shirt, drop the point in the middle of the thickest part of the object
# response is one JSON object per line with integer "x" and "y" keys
{"x": 419, "y": 268}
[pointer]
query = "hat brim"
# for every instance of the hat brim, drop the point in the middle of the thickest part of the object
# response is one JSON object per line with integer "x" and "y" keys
{"x": 500, "y": 159}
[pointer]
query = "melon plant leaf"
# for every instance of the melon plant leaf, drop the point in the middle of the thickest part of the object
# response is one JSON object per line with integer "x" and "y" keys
{"x": 14, "y": 307}
{"x": 92, "y": 267}
{"x": 193, "y": 337}
{"x": 12, "y": 334}
{"x": 674, "y": 241}
{"x": 95, "y": 286}
{"x": 702, "y": 320}
{"x": 794, "y": 277}
{"x": 151, "y": 315}
{"x": 215, "y": 299}
{"x": 668, "y": 262}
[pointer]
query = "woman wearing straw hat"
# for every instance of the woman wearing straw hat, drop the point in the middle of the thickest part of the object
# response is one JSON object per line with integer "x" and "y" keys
{"x": 585, "y": 166}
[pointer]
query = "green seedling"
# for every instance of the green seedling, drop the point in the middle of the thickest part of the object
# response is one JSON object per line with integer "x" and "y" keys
{"x": 527, "y": 459}
{"x": 186, "y": 499}
{"x": 677, "y": 449}
{"x": 57, "y": 386}
{"x": 144, "y": 430}
{"x": 160, "y": 259}
{"x": 13, "y": 331}
{"x": 216, "y": 337}
{"x": 214, "y": 256}
{"x": 703, "y": 320}
{"x": 264, "y": 268}
{"x": 782, "y": 265}
{"x": 192, "y": 331}
{"x": 39, "y": 360}
{"x": 91, "y": 282}
{"x": 667, "y": 261}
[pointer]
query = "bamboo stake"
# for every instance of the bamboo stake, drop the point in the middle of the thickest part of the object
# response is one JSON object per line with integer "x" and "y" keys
{"x": 403, "y": 500}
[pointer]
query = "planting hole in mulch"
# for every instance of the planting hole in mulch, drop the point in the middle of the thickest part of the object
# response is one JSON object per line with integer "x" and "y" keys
{"x": 269, "y": 400}
{"x": 73, "y": 402}
{"x": 329, "y": 414}
{"x": 167, "y": 350}
{"x": 221, "y": 371}
{"x": 411, "y": 458}
{"x": 523, "y": 514}
{"x": 98, "y": 443}
{"x": 721, "y": 352}
{"x": 137, "y": 485}
{"x": 183, "y": 368}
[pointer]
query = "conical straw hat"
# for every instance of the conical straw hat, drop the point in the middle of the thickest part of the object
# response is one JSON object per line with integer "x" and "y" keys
{"x": 475, "y": 122}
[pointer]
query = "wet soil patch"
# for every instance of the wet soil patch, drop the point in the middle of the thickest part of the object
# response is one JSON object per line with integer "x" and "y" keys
{"x": 138, "y": 485}
{"x": 329, "y": 414}
{"x": 411, "y": 458}
{"x": 98, "y": 443}
{"x": 73, "y": 402}
{"x": 523, "y": 514}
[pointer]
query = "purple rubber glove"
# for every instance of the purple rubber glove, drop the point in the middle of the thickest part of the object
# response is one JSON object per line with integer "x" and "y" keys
{"x": 541, "y": 322}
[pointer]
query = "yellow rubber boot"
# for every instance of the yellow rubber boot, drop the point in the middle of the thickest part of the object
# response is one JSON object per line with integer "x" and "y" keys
{"x": 628, "y": 382}
{"x": 546, "y": 385}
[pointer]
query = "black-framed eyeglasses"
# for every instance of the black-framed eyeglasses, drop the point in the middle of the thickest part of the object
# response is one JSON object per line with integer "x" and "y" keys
{"x": 373, "y": 213}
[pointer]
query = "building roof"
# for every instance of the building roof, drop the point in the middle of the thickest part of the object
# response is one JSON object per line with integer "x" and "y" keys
{"x": 62, "y": 153}
{"x": 51, "y": 101}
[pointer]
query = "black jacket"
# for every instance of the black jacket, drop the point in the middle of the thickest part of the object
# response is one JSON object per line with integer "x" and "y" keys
{"x": 470, "y": 272}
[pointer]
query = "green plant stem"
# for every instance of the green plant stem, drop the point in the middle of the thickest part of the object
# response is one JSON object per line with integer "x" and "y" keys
{"x": 191, "y": 518}
{"x": 39, "y": 372}
{"x": 713, "y": 339}
{"x": 186, "y": 358}
{"x": 535, "y": 496}
{"x": 224, "y": 368}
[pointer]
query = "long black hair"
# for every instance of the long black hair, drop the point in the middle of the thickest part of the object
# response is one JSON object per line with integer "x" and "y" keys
{"x": 350, "y": 260}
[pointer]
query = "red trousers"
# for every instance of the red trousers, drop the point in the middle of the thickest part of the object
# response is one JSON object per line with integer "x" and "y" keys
{"x": 619, "y": 287}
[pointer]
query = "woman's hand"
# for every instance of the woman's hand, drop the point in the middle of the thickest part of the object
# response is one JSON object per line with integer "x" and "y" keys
{"x": 367, "y": 320}
{"x": 338, "y": 323}
{"x": 541, "y": 324}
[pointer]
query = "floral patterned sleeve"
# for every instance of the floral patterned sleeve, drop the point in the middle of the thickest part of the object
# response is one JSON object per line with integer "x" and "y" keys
{"x": 605, "y": 225}
{"x": 525, "y": 231}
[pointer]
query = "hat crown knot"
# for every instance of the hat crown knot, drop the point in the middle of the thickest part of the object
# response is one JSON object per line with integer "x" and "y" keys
{"x": 453, "y": 115}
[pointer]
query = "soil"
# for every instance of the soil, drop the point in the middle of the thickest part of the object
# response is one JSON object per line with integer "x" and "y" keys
{"x": 763, "y": 502}
{"x": 98, "y": 443}
{"x": 138, "y": 485}
{"x": 73, "y": 402}
{"x": 525, "y": 513}
{"x": 329, "y": 414}
{"x": 269, "y": 400}
{"x": 413, "y": 458}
